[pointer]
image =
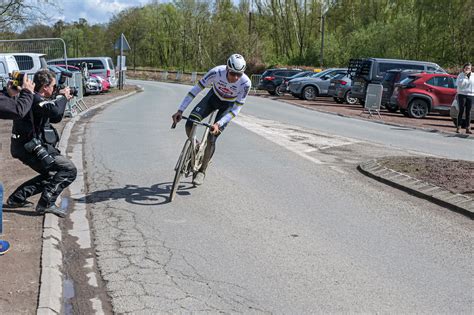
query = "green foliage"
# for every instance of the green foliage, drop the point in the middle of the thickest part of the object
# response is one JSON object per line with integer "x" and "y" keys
{"x": 199, "y": 34}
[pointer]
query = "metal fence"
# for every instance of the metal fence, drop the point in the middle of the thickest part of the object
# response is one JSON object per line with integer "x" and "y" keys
{"x": 51, "y": 47}
{"x": 255, "y": 78}
{"x": 76, "y": 104}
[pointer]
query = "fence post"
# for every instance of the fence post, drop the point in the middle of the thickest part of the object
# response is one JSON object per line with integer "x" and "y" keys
{"x": 194, "y": 77}
{"x": 164, "y": 75}
{"x": 255, "y": 78}
{"x": 178, "y": 75}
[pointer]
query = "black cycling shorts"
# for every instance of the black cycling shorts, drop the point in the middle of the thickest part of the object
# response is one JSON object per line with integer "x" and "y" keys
{"x": 207, "y": 105}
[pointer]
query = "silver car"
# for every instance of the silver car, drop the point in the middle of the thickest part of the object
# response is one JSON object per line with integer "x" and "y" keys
{"x": 309, "y": 88}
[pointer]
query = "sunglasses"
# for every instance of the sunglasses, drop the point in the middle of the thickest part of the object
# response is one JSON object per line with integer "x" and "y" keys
{"x": 236, "y": 74}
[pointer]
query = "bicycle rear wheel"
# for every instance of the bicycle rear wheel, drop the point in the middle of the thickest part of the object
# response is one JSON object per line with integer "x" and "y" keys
{"x": 181, "y": 166}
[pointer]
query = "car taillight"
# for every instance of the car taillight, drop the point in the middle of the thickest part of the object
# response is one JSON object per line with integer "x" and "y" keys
{"x": 108, "y": 73}
{"x": 343, "y": 82}
{"x": 269, "y": 78}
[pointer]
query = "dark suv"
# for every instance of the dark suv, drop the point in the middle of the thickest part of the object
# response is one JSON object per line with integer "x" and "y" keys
{"x": 389, "y": 80}
{"x": 422, "y": 93}
{"x": 272, "y": 78}
{"x": 372, "y": 71}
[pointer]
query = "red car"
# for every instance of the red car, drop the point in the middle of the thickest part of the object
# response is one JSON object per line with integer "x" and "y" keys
{"x": 424, "y": 93}
{"x": 104, "y": 83}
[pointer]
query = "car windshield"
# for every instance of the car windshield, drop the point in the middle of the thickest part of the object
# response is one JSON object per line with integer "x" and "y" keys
{"x": 299, "y": 75}
{"x": 408, "y": 80}
{"x": 320, "y": 74}
{"x": 390, "y": 76}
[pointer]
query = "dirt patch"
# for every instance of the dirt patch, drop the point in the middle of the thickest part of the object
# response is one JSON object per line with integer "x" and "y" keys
{"x": 456, "y": 176}
{"x": 20, "y": 267}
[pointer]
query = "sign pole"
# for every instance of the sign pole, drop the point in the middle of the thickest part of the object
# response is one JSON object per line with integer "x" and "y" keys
{"x": 122, "y": 45}
{"x": 120, "y": 69}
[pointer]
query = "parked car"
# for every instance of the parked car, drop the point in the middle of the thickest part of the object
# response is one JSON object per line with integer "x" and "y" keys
{"x": 390, "y": 79}
{"x": 340, "y": 89}
{"x": 423, "y": 93}
{"x": 309, "y": 88}
{"x": 8, "y": 64}
{"x": 372, "y": 71}
{"x": 90, "y": 84}
{"x": 105, "y": 84}
{"x": 30, "y": 63}
{"x": 272, "y": 78}
{"x": 283, "y": 88}
{"x": 102, "y": 66}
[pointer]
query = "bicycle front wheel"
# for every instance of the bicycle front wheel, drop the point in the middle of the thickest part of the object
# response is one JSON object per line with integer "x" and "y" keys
{"x": 181, "y": 166}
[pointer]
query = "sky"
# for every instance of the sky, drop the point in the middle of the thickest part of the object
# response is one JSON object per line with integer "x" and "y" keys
{"x": 94, "y": 11}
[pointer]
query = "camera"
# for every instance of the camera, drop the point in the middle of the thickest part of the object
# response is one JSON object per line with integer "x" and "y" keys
{"x": 17, "y": 78}
{"x": 73, "y": 90}
{"x": 35, "y": 146}
{"x": 64, "y": 75}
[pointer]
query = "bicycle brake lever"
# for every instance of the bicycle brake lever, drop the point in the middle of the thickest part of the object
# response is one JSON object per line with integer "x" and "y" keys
{"x": 173, "y": 125}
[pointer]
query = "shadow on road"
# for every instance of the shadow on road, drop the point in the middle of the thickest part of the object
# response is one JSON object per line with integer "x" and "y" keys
{"x": 157, "y": 194}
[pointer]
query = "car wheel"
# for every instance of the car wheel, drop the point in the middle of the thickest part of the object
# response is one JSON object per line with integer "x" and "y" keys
{"x": 418, "y": 108}
{"x": 278, "y": 91}
{"x": 350, "y": 100}
{"x": 310, "y": 93}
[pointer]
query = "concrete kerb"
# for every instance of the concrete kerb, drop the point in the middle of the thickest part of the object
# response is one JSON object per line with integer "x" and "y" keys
{"x": 51, "y": 288}
{"x": 456, "y": 202}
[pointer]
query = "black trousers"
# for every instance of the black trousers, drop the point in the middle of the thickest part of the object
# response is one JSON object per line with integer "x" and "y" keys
{"x": 204, "y": 108}
{"x": 50, "y": 182}
{"x": 465, "y": 103}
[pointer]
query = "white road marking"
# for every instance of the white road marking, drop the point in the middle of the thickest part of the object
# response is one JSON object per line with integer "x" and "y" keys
{"x": 299, "y": 140}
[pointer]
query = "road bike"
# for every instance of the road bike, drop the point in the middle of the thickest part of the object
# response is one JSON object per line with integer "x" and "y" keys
{"x": 190, "y": 158}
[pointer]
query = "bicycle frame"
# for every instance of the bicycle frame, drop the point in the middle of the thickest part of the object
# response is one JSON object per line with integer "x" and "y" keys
{"x": 190, "y": 158}
{"x": 198, "y": 147}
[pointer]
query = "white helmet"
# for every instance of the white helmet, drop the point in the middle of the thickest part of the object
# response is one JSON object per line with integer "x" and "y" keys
{"x": 236, "y": 63}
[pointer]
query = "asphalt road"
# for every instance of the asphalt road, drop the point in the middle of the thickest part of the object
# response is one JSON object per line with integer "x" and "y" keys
{"x": 284, "y": 222}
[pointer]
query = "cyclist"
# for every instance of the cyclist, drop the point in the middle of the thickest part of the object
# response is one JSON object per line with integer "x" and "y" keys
{"x": 230, "y": 86}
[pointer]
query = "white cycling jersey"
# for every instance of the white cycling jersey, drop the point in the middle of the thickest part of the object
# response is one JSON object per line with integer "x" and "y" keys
{"x": 228, "y": 92}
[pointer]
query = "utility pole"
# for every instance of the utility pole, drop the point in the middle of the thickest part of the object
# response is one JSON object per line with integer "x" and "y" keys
{"x": 325, "y": 5}
{"x": 321, "y": 55}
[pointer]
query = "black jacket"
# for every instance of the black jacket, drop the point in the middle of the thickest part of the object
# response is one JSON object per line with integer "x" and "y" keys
{"x": 15, "y": 108}
{"x": 44, "y": 113}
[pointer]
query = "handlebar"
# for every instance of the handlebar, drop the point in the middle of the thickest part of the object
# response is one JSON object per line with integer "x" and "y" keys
{"x": 193, "y": 121}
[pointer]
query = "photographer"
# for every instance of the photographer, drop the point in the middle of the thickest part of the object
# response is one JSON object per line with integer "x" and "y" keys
{"x": 465, "y": 89}
{"x": 34, "y": 143}
{"x": 15, "y": 102}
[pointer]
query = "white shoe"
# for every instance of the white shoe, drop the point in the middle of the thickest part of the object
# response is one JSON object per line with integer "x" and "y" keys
{"x": 199, "y": 178}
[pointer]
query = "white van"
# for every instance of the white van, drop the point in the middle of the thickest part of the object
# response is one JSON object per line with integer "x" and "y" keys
{"x": 8, "y": 64}
{"x": 101, "y": 66}
{"x": 30, "y": 63}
